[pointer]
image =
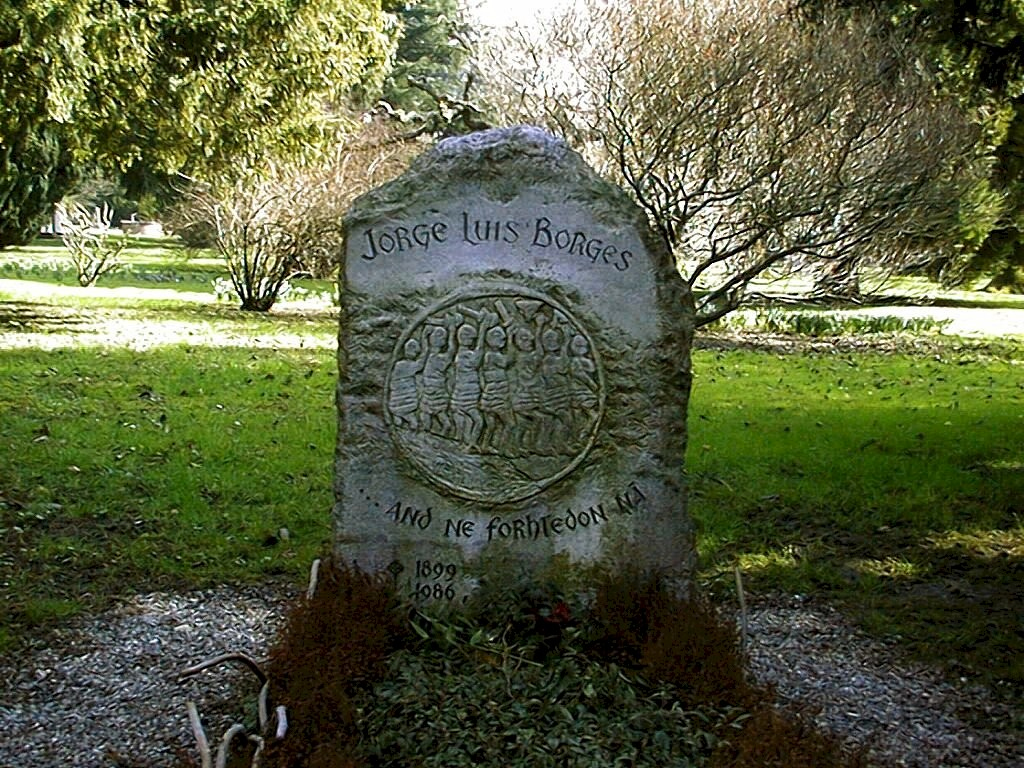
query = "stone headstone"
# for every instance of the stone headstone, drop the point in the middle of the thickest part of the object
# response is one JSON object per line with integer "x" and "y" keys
{"x": 513, "y": 373}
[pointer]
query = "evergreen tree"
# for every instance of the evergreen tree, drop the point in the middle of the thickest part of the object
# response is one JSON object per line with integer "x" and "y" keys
{"x": 978, "y": 49}
{"x": 430, "y": 58}
{"x": 196, "y": 87}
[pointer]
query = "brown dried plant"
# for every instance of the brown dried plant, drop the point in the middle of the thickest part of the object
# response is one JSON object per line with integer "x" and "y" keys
{"x": 684, "y": 641}
{"x": 678, "y": 640}
{"x": 773, "y": 739}
{"x": 334, "y": 640}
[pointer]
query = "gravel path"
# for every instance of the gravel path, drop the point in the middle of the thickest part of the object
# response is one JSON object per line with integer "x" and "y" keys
{"x": 102, "y": 691}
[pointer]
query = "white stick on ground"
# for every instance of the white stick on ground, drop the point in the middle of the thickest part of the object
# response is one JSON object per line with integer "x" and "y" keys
{"x": 197, "y": 729}
{"x": 261, "y": 706}
{"x": 225, "y": 743}
{"x": 314, "y": 575}
{"x": 259, "y": 750}
{"x": 282, "y": 722}
{"x": 743, "y": 608}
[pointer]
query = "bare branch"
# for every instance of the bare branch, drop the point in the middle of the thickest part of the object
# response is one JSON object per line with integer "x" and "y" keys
{"x": 202, "y": 743}
{"x": 230, "y": 735}
{"x": 258, "y": 754}
{"x": 755, "y": 142}
{"x": 262, "y": 708}
{"x": 224, "y": 658}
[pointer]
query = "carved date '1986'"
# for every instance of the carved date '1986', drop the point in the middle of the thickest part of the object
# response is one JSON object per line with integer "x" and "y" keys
{"x": 435, "y": 580}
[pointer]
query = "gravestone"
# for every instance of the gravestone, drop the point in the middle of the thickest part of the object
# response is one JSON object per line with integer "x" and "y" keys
{"x": 513, "y": 373}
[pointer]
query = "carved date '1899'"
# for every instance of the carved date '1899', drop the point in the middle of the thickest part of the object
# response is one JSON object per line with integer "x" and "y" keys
{"x": 434, "y": 580}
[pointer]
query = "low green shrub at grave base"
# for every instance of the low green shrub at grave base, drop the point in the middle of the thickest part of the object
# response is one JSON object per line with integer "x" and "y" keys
{"x": 445, "y": 712}
{"x": 368, "y": 681}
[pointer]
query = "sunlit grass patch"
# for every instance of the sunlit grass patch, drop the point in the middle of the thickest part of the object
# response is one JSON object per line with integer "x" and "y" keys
{"x": 991, "y": 544}
{"x": 890, "y": 568}
{"x": 148, "y": 266}
{"x": 176, "y": 467}
{"x": 887, "y": 482}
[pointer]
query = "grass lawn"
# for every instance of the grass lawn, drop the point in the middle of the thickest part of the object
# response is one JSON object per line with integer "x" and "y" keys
{"x": 146, "y": 262}
{"x": 890, "y": 483}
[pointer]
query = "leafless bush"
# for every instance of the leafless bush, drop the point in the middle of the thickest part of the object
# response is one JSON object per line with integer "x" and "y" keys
{"x": 95, "y": 249}
{"x": 285, "y": 220}
{"x": 760, "y": 145}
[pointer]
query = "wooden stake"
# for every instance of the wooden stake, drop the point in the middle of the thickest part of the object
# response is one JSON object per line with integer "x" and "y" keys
{"x": 743, "y": 608}
{"x": 197, "y": 729}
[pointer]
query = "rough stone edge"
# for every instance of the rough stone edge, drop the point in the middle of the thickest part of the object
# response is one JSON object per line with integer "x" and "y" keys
{"x": 530, "y": 156}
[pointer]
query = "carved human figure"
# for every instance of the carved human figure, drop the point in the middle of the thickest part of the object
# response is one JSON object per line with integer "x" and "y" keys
{"x": 495, "y": 392}
{"x": 466, "y": 391}
{"x": 405, "y": 396}
{"x": 434, "y": 393}
{"x": 557, "y": 399}
{"x": 527, "y": 386}
{"x": 583, "y": 386}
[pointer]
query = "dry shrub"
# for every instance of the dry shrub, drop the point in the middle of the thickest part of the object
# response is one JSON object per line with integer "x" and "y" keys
{"x": 623, "y": 611}
{"x": 773, "y": 740}
{"x": 679, "y": 641}
{"x": 686, "y": 643}
{"x": 332, "y": 643}
{"x": 699, "y": 653}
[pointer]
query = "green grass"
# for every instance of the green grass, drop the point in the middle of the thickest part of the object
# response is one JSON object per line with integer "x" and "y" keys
{"x": 172, "y": 468}
{"x": 892, "y": 484}
{"x": 146, "y": 263}
{"x": 822, "y": 324}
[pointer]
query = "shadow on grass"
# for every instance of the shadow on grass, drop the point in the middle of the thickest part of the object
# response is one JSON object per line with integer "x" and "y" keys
{"x": 50, "y": 317}
{"x": 952, "y": 599}
{"x": 891, "y": 484}
{"x": 37, "y": 318}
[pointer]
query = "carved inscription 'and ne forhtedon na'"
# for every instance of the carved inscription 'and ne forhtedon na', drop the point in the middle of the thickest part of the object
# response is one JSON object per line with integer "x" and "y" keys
{"x": 513, "y": 374}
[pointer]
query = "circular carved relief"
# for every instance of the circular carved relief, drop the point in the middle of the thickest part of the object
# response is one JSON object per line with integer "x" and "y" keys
{"x": 494, "y": 393}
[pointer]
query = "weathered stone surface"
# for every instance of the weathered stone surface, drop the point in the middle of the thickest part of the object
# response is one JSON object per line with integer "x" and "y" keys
{"x": 513, "y": 373}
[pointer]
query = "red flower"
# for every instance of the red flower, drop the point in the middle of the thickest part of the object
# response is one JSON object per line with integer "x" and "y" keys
{"x": 560, "y": 613}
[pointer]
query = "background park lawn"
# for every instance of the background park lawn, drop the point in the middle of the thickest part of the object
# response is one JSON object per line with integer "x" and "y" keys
{"x": 886, "y": 477}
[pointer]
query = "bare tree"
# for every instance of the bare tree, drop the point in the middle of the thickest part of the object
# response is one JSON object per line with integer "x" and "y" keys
{"x": 760, "y": 145}
{"x": 284, "y": 220}
{"x": 94, "y": 247}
